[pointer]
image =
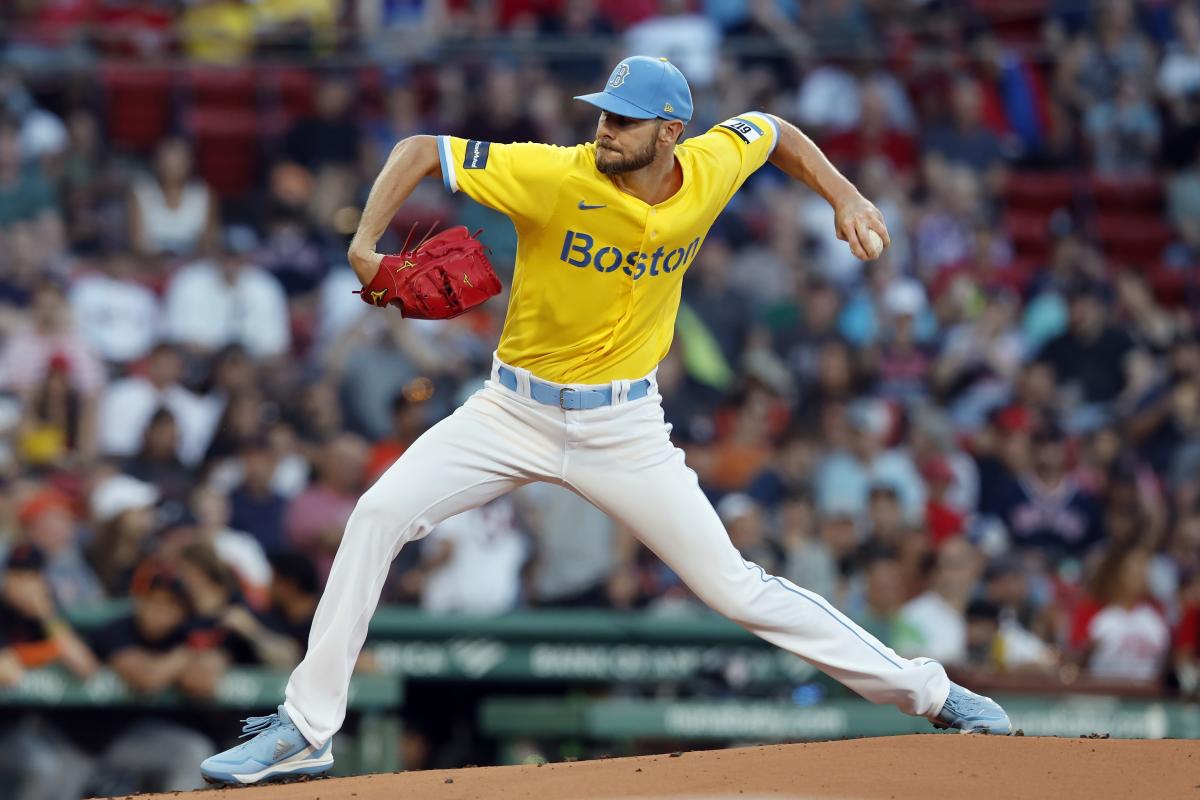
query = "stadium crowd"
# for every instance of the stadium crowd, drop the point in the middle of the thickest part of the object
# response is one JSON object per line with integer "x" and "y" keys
{"x": 984, "y": 446}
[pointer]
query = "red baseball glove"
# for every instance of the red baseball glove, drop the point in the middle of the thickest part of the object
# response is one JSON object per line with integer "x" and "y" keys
{"x": 442, "y": 277}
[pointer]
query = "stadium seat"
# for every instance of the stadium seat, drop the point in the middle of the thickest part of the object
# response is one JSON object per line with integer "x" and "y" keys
{"x": 1140, "y": 193}
{"x": 228, "y": 149}
{"x": 229, "y": 89}
{"x": 1132, "y": 239}
{"x": 292, "y": 92}
{"x": 137, "y": 106}
{"x": 1040, "y": 190}
{"x": 1030, "y": 233}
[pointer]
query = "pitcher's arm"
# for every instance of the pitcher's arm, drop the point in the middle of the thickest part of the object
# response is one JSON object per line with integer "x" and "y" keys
{"x": 799, "y": 157}
{"x": 411, "y": 160}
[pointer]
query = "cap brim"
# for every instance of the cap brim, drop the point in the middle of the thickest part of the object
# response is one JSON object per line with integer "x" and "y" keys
{"x": 615, "y": 105}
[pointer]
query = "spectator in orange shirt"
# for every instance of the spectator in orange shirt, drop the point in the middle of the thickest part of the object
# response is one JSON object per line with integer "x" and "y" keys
{"x": 30, "y": 618}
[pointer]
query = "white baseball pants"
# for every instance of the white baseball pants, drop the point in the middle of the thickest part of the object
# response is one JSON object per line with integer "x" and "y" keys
{"x": 619, "y": 458}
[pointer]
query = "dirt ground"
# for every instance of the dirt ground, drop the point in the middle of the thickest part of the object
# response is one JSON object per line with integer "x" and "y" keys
{"x": 889, "y": 768}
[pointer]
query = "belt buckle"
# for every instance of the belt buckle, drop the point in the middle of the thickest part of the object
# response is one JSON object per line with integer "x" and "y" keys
{"x": 562, "y": 398}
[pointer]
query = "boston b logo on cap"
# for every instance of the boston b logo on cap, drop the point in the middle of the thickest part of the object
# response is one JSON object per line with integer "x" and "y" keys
{"x": 642, "y": 87}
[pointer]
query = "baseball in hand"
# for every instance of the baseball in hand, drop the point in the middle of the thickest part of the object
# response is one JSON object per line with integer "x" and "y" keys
{"x": 873, "y": 244}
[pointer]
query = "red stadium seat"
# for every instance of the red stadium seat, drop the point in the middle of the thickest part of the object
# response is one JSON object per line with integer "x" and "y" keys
{"x": 224, "y": 88}
{"x": 293, "y": 91}
{"x": 1132, "y": 239}
{"x": 1139, "y": 193}
{"x": 228, "y": 150}
{"x": 1040, "y": 190}
{"x": 1030, "y": 233}
{"x": 1018, "y": 22}
{"x": 137, "y": 106}
{"x": 1171, "y": 286}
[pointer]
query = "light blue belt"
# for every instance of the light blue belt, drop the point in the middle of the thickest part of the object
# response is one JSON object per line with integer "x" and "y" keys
{"x": 572, "y": 399}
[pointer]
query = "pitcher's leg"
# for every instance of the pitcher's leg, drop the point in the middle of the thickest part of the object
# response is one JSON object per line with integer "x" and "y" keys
{"x": 483, "y": 450}
{"x": 654, "y": 493}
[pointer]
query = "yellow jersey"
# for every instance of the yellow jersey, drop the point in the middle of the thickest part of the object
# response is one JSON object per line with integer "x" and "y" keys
{"x": 598, "y": 271}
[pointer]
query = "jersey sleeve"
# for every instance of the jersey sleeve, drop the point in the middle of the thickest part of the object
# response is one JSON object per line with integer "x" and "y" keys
{"x": 519, "y": 180}
{"x": 740, "y": 144}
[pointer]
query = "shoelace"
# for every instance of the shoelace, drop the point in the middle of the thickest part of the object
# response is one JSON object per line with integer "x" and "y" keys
{"x": 256, "y": 725}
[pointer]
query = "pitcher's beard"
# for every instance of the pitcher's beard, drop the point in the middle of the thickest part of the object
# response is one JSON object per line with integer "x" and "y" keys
{"x": 638, "y": 160}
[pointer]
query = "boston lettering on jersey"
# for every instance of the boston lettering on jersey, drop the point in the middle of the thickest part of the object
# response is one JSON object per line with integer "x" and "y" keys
{"x": 580, "y": 249}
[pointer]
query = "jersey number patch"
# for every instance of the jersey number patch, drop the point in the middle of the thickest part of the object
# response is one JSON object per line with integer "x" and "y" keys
{"x": 747, "y": 131}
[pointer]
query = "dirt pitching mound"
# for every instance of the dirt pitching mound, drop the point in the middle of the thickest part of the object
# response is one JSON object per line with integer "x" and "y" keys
{"x": 889, "y": 768}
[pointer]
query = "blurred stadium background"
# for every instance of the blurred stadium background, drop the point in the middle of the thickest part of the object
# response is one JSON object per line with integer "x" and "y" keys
{"x": 985, "y": 446}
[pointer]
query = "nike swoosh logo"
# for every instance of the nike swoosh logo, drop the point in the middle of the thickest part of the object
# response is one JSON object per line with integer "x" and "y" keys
{"x": 585, "y": 207}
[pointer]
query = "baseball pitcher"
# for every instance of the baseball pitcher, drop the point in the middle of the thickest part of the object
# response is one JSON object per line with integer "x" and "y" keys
{"x": 606, "y": 232}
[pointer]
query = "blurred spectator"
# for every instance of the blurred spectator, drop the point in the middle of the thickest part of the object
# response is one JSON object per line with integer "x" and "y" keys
{"x": 1125, "y": 131}
{"x": 228, "y": 300}
{"x": 294, "y": 597}
{"x": 44, "y": 762}
{"x": 32, "y": 620}
{"x": 148, "y": 650}
{"x": 743, "y": 520}
{"x": 1179, "y": 72}
{"x": 48, "y": 338}
{"x": 255, "y": 506}
{"x": 875, "y": 136}
{"x": 943, "y": 520}
{"x": 123, "y": 513}
{"x": 808, "y": 557}
{"x": 1043, "y": 505}
{"x": 50, "y": 527}
{"x": 58, "y": 426}
{"x": 25, "y": 195}
{"x": 935, "y": 623}
{"x": 327, "y": 145}
{"x": 1118, "y": 632}
{"x": 129, "y": 404}
{"x": 171, "y": 211}
{"x": 1085, "y": 357}
{"x": 883, "y": 593}
{"x": 688, "y": 39}
{"x": 316, "y": 518}
{"x": 1183, "y": 209}
{"x": 223, "y": 623}
{"x": 410, "y": 413}
{"x": 218, "y": 31}
{"x": 157, "y": 461}
{"x": 473, "y": 562}
{"x": 573, "y": 547}
{"x": 1007, "y": 587}
{"x": 240, "y": 551}
{"x": 845, "y": 476}
{"x": 116, "y": 314}
{"x": 291, "y": 27}
{"x": 966, "y": 140}
{"x": 500, "y": 115}
{"x": 291, "y": 252}
{"x": 1118, "y": 50}
{"x": 790, "y": 471}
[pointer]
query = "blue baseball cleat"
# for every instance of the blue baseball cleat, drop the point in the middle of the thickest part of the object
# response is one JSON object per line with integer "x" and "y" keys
{"x": 278, "y": 751}
{"x": 972, "y": 713}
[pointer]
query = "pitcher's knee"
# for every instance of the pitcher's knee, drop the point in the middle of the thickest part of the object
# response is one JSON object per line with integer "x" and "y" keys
{"x": 377, "y": 514}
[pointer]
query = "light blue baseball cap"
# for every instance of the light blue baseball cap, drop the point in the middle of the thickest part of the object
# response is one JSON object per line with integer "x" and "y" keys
{"x": 642, "y": 87}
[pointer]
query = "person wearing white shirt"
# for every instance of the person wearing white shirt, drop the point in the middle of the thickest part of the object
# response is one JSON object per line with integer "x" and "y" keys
{"x": 934, "y": 624}
{"x": 227, "y": 300}
{"x": 127, "y": 406}
{"x": 690, "y": 41}
{"x": 119, "y": 317}
{"x": 473, "y": 562}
